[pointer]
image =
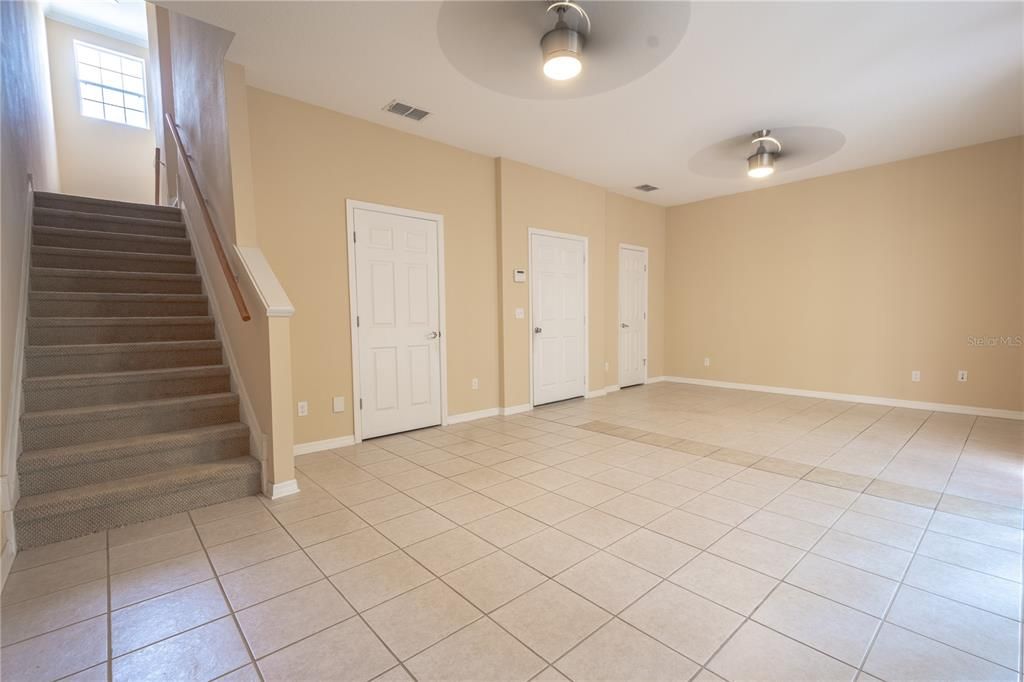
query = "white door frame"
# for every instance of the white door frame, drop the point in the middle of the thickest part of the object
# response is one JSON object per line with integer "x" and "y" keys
{"x": 353, "y": 300}
{"x": 586, "y": 300}
{"x": 647, "y": 282}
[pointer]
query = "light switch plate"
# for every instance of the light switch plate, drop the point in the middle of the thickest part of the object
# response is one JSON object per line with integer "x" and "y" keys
{"x": 339, "y": 403}
{"x": 519, "y": 275}
{"x": 303, "y": 408}
{"x": 520, "y": 314}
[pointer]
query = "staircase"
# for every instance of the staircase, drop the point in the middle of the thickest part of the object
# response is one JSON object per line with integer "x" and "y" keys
{"x": 128, "y": 409}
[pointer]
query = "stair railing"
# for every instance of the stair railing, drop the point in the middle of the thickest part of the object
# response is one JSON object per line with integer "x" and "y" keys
{"x": 225, "y": 266}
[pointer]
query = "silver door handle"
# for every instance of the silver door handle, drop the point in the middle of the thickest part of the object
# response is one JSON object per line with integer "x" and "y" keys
{"x": 537, "y": 330}
{"x": 433, "y": 335}
{"x": 624, "y": 325}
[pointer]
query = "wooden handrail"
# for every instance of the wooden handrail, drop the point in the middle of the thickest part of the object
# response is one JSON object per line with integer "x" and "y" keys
{"x": 156, "y": 174}
{"x": 225, "y": 266}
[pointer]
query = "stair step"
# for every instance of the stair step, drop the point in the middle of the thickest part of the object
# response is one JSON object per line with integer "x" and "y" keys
{"x": 108, "y": 224}
{"x": 68, "y": 279}
{"x": 88, "y": 304}
{"x": 65, "y": 514}
{"x": 105, "y": 388}
{"x": 119, "y": 357}
{"x": 93, "y": 259}
{"x": 75, "y": 425}
{"x": 109, "y": 241}
{"x": 70, "y": 202}
{"x": 48, "y": 331}
{"x": 43, "y": 471}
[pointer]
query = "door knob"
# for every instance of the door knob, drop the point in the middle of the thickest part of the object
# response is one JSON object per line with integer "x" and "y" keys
{"x": 537, "y": 330}
{"x": 433, "y": 335}
{"x": 624, "y": 325}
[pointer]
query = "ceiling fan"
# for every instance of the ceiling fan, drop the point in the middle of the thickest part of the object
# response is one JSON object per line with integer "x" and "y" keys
{"x": 804, "y": 145}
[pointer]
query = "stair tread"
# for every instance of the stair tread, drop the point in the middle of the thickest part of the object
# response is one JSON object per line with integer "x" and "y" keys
{"x": 97, "y": 412}
{"x": 100, "y": 234}
{"x": 126, "y": 321}
{"x": 58, "y": 196}
{"x": 126, "y": 377}
{"x": 32, "y": 459}
{"x": 131, "y": 489}
{"x": 114, "y": 274}
{"x": 134, "y": 255}
{"x": 114, "y": 296}
{"x": 108, "y": 217}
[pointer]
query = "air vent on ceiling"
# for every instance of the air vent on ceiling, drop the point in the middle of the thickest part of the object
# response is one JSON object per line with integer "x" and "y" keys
{"x": 406, "y": 111}
{"x": 646, "y": 188}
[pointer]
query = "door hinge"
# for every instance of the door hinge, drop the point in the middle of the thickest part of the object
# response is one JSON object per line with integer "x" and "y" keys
{"x": 360, "y": 403}
{"x": 645, "y": 362}
{"x": 645, "y": 316}
{"x": 645, "y": 268}
{"x": 357, "y": 320}
{"x": 353, "y": 237}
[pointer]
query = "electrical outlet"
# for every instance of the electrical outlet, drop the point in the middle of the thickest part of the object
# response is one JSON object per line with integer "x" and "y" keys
{"x": 915, "y": 375}
{"x": 520, "y": 314}
{"x": 961, "y": 375}
{"x": 338, "y": 404}
{"x": 303, "y": 408}
{"x": 707, "y": 362}
{"x": 475, "y": 384}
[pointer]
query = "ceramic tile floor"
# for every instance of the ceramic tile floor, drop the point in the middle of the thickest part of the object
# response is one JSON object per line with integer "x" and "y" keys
{"x": 665, "y": 532}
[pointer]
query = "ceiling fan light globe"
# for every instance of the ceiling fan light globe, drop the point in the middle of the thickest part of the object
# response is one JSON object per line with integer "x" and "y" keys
{"x": 761, "y": 164}
{"x": 562, "y": 47}
{"x": 562, "y": 67}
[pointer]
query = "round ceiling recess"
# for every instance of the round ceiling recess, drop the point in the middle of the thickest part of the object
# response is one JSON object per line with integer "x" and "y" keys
{"x": 736, "y": 157}
{"x": 498, "y": 44}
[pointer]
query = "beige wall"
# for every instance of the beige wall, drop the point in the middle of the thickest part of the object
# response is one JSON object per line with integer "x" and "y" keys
{"x": 29, "y": 148}
{"x": 847, "y": 283}
{"x": 306, "y": 161}
{"x": 97, "y": 158}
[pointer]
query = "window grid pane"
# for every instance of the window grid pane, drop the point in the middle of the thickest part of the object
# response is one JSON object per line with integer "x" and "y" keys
{"x": 111, "y": 85}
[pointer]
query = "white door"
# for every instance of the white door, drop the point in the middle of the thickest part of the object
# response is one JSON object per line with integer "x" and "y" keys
{"x": 557, "y": 309}
{"x": 632, "y": 316}
{"x": 397, "y": 319}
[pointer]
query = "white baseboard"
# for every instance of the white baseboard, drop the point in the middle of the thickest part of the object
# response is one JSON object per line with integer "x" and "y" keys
{"x": 7, "y": 560}
{"x": 515, "y": 409}
{"x": 853, "y": 398}
{"x": 279, "y": 490}
{"x": 601, "y": 392}
{"x": 473, "y": 416}
{"x": 321, "y": 445}
{"x": 655, "y": 380}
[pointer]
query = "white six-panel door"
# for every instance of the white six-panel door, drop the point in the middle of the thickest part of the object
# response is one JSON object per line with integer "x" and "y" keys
{"x": 557, "y": 309}
{"x": 632, "y": 316}
{"x": 398, "y": 327}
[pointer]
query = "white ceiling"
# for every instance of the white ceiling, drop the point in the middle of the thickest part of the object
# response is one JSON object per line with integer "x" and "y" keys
{"x": 121, "y": 19}
{"x": 897, "y": 79}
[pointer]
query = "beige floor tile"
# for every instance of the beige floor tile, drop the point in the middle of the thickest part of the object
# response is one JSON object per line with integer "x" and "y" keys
{"x": 478, "y": 479}
{"x": 758, "y": 553}
{"x": 234, "y": 527}
{"x": 153, "y": 550}
{"x": 150, "y": 621}
{"x": 590, "y": 493}
{"x": 203, "y": 653}
{"x": 438, "y": 492}
{"x": 724, "y": 582}
{"x": 493, "y": 580}
{"x": 352, "y": 495}
{"x": 453, "y": 467}
{"x": 550, "y": 674}
{"x": 984, "y": 558}
{"x": 551, "y": 551}
{"x": 893, "y": 510}
{"x": 692, "y": 625}
{"x": 480, "y": 651}
{"x": 962, "y": 584}
{"x": 608, "y": 581}
{"x": 149, "y": 529}
{"x": 448, "y": 551}
{"x": 58, "y": 551}
{"x": 974, "y": 530}
{"x": 690, "y": 528}
{"x": 880, "y": 530}
{"x": 58, "y": 653}
{"x": 376, "y": 581}
{"x": 53, "y": 611}
{"x": 820, "y": 623}
{"x": 349, "y": 550}
{"x": 635, "y": 509}
{"x": 597, "y": 528}
{"x": 899, "y": 654}
{"x": 324, "y": 527}
{"x": 53, "y": 577}
{"x": 666, "y": 493}
{"x": 250, "y": 550}
{"x": 550, "y": 619}
{"x": 904, "y": 493}
{"x": 468, "y": 508}
{"x": 620, "y": 652}
{"x": 983, "y": 511}
{"x": 654, "y": 552}
{"x": 263, "y": 581}
{"x": 820, "y": 492}
{"x": 812, "y": 511}
{"x": 977, "y": 632}
{"x": 838, "y": 479}
{"x": 757, "y": 653}
{"x": 505, "y": 527}
{"x": 620, "y": 478}
{"x": 389, "y": 467}
{"x": 304, "y": 509}
{"x": 97, "y": 673}
{"x": 411, "y": 528}
{"x": 417, "y": 619}
{"x": 247, "y": 673}
{"x": 866, "y": 555}
{"x": 411, "y": 479}
{"x": 745, "y": 493}
{"x": 520, "y": 466}
{"x": 283, "y": 620}
{"x": 845, "y": 584}
{"x": 784, "y": 529}
{"x": 719, "y": 509}
{"x": 694, "y": 480}
{"x": 223, "y": 510}
{"x": 160, "y": 578}
{"x": 550, "y": 478}
{"x": 551, "y": 508}
{"x": 511, "y": 493}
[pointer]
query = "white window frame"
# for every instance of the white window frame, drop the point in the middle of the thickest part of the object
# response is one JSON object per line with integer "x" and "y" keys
{"x": 82, "y": 99}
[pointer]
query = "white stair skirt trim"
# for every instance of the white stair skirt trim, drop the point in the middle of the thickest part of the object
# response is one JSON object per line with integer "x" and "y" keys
{"x": 321, "y": 445}
{"x": 473, "y": 416}
{"x": 852, "y": 398}
{"x": 515, "y": 409}
{"x": 279, "y": 490}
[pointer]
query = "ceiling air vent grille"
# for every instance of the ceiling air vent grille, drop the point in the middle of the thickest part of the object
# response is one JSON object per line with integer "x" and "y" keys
{"x": 646, "y": 188}
{"x": 406, "y": 110}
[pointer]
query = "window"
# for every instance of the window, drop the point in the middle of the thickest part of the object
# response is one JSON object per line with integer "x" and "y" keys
{"x": 111, "y": 85}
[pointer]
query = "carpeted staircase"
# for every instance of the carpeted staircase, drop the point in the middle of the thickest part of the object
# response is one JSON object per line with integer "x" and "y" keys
{"x": 128, "y": 409}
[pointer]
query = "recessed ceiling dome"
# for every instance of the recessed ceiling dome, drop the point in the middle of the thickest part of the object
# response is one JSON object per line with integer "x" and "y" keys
{"x": 495, "y": 44}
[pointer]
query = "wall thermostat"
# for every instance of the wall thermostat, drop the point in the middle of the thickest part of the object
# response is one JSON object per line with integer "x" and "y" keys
{"x": 519, "y": 275}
